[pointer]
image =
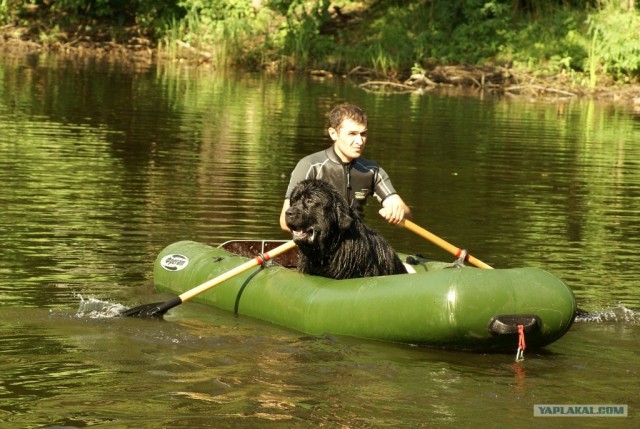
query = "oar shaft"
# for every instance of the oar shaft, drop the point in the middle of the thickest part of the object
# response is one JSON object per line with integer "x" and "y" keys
{"x": 456, "y": 251}
{"x": 258, "y": 260}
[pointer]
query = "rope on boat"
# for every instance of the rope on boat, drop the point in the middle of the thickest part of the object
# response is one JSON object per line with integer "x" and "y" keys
{"x": 521, "y": 344}
{"x": 462, "y": 256}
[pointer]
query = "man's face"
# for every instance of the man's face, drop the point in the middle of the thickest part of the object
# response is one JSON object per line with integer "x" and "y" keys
{"x": 349, "y": 139}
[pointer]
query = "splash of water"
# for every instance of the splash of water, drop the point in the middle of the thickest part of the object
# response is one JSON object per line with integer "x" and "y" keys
{"x": 617, "y": 314}
{"x": 94, "y": 308}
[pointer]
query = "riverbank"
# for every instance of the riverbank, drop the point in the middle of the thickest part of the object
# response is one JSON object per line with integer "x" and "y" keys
{"x": 131, "y": 50}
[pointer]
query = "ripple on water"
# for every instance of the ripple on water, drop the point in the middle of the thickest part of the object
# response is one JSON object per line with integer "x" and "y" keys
{"x": 617, "y": 314}
{"x": 94, "y": 308}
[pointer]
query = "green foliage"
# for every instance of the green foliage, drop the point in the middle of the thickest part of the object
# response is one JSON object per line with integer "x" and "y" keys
{"x": 387, "y": 40}
{"x": 300, "y": 34}
{"x": 550, "y": 44}
{"x": 233, "y": 32}
{"x": 614, "y": 42}
{"x": 471, "y": 31}
{"x": 8, "y": 10}
{"x": 149, "y": 16}
{"x": 4, "y": 11}
{"x": 573, "y": 37}
{"x": 392, "y": 36}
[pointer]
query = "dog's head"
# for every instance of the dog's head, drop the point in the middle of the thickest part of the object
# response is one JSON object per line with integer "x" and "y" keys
{"x": 317, "y": 214}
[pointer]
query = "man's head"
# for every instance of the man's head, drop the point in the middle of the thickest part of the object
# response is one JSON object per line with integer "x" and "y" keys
{"x": 348, "y": 130}
{"x": 346, "y": 111}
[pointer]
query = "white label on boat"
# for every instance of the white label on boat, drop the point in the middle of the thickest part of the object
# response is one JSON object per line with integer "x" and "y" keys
{"x": 174, "y": 262}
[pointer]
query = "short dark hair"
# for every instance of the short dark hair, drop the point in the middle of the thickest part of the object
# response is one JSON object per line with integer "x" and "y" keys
{"x": 346, "y": 111}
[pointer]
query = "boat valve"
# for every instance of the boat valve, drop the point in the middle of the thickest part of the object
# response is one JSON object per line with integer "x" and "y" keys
{"x": 507, "y": 324}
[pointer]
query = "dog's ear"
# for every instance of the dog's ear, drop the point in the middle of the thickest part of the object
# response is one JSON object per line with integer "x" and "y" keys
{"x": 343, "y": 215}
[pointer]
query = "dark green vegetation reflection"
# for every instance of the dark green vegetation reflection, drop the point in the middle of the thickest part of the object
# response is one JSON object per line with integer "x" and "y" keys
{"x": 100, "y": 168}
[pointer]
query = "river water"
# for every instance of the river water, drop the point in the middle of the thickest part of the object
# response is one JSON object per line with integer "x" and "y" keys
{"x": 102, "y": 166}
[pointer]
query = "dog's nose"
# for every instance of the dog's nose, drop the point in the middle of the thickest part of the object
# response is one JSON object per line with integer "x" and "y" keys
{"x": 289, "y": 216}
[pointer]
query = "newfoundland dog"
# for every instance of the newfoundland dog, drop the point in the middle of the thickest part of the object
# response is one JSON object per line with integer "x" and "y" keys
{"x": 333, "y": 240}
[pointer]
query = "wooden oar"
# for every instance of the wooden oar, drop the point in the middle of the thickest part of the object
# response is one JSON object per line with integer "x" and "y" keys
{"x": 456, "y": 251}
{"x": 158, "y": 309}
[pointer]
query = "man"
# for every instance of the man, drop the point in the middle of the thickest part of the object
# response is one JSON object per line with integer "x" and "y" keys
{"x": 341, "y": 165}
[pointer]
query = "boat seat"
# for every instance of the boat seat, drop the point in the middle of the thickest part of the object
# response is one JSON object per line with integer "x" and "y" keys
{"x": 253, "y": 248}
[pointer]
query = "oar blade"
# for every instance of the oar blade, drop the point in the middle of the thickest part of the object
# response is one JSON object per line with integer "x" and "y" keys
{"x": 156, "y": 309}
{"x": 146, "y": 310}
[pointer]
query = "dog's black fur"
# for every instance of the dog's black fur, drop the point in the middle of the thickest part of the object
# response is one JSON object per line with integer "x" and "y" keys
{"x": 333, "y": 240}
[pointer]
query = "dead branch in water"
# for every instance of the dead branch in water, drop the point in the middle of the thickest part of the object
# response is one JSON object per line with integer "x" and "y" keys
{"x": 538, "y": 88}
{"x": 374, "y": 85}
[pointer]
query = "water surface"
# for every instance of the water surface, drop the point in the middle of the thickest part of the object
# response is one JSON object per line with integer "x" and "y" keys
{"x": 101, "y": 167}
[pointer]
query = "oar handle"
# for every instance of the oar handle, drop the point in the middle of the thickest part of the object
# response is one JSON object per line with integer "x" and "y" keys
{"x": 456, "y": 251}
{"x": 258, "y": 260}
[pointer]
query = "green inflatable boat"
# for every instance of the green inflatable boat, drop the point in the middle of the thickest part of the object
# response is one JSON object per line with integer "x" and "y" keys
{"x": 440, "y": 305}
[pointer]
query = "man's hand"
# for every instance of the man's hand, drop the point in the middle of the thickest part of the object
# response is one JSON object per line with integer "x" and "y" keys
{"x": 394, "y": 210}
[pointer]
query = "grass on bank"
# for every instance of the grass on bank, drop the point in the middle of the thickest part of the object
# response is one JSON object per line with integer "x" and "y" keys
{"x": 584, "y": 42}
{"x": 586, "y": 45}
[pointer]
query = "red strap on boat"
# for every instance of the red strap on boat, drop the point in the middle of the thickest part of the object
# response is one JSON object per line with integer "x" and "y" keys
{"x": 521, "y": 344}
{"x": 462, "y": 255}
{"x": 262, "y": 258}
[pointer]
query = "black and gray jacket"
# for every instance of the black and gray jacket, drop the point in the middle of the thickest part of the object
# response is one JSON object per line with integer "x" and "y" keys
{"x": 356, "y": 180}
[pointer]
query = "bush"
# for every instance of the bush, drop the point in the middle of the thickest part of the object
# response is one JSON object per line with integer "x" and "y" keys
{"x": 614, "y": 43}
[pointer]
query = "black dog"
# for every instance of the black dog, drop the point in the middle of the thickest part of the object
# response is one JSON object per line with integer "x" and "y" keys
{"x": 333, "y": 241}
